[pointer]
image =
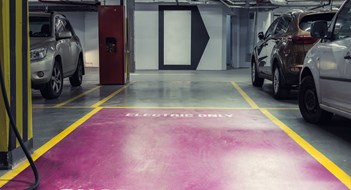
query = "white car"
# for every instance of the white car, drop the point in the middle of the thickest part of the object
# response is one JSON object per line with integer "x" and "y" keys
{"x": 325, "y": 80}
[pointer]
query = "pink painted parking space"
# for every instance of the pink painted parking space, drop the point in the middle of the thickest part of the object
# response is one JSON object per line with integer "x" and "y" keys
{"x": 169, "y": 149}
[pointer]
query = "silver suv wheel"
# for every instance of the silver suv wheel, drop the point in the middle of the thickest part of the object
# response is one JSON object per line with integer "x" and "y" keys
{"x": 56, "y": 79}
{"x": 253, "y": 72}
{"x": 255, "y": 79}
{"x": 280, "y": 91}
{"x": 77, "y": 78}
{"x": 53, "y": 88}
{"x": 276, "y": 79}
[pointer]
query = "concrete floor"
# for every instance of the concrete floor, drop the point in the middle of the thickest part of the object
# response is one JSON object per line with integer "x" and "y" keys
{"x": 193, "y": 92}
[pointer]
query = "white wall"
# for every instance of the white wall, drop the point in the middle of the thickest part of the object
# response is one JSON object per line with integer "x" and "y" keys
{"x": 228, "y": 40}
{"x": 244, "y": 35}
{"x": 264, "y": 20}
{"x": 92, "y": 39}
{"x": 77, "y": 21}
{"x": 85, "y": 24}
{"x": 214, "y": 57}
{"x": 146, "y": 38}
{"x": 177, "y": 30}
{"x": 110, "y": 2}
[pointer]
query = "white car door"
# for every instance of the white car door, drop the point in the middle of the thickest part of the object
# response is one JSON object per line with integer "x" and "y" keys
{"x": 335, "y": 64}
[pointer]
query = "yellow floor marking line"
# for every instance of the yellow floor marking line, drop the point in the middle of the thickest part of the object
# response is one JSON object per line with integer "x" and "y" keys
{"x": 245, "y": 96}
{"x": 280, "y": 109}
{"x": 110, "y": 96}
{"x": 154, "y": 107}
{"x": 321, "y": 158}
{"x": 34, "y": 106}
{"x": 162, "y": 74}
{"x": 62, "y": 107}
{"x": 331, "y": 166}
{"x": 46, "y": 147}
{"x": 212, "y": 108}
{"x": 75, "y": 98}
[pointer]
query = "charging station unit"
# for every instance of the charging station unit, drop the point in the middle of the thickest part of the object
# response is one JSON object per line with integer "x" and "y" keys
{"x": 15, "y": 63}
{"x": 112, "y": 45}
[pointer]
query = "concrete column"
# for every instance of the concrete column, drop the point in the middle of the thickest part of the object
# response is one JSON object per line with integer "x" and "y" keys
{"x": 15, "y": 63}
{"x": 242, "y": 37}
{"x": 130, "y": 35}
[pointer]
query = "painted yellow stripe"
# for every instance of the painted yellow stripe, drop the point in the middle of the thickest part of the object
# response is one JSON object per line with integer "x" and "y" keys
{"x": 63, "y": 107}
{"x": 4, "y": 62}
{"x": 110, "y": 96}
{"x": 158, "y": 107}
{"x": 76, "y": 97}
{"x": 19, "y": 70}
{"x": 46, "y": 147}
{"x": 328, "y": 164}
{"x": 333, "y": 168}
{"x": 29, "y": 85}
{"x": 163, "y": 74}
{"x": 281, "y": 109}
{"x": 245, "y": 96}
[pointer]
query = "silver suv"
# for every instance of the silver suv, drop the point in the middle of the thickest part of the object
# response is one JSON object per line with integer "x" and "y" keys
{"x": 56, "y": 53}
{"x": 325, "y": 80}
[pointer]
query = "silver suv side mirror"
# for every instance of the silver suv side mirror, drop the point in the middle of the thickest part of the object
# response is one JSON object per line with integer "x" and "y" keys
{"x": 260, "y": 35}
{"x": 319, "y": 29}
{"x": 64, "y": 35}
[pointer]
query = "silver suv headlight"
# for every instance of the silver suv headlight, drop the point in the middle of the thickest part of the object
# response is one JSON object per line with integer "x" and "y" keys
{"x": 39, "y": 53}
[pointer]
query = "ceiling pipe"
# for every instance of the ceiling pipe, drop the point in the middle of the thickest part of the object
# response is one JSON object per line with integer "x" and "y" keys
{"x": 297, "y": 3}
{"x": 235, "y": 5}
{"x": 320, "y": 6}
{"x": 96, "y": 2}
{"x": 273, "y": 4}
{"x": 244, "y": 5}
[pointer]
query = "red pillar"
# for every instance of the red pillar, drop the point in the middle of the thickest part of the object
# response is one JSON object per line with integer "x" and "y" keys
{"x": 113, "y": 66}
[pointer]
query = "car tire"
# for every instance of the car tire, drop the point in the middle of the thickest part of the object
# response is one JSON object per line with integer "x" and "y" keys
{"x": 256, "y": 80}
{"x": 280, "y": 91}
{"x": 77, "y": 78}
{"x": 53, "y": 88}
{"x": 309, "y": 104}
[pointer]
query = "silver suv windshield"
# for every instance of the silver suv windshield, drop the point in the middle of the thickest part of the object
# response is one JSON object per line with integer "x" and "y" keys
{"x": 40, "y": 26}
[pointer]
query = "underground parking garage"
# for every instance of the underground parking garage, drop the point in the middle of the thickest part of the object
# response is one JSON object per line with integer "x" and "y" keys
{"x": 173, "y": 95}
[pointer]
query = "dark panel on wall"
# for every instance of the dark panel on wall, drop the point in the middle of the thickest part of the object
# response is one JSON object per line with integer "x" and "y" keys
{"x": 199, "y": 37}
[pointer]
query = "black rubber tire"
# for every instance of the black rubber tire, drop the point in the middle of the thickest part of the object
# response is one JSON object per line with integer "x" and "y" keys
{"x": 255, "y": 79}
{"x": 77, "y": 78}
{"x": 281, "y": 91}
{"x": 309, "y": 104}
{"x": 53, "y": 88}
